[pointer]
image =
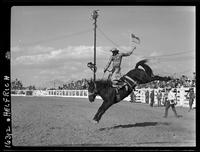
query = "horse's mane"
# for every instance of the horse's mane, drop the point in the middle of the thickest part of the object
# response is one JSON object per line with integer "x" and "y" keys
{"x": 103, "y": 83}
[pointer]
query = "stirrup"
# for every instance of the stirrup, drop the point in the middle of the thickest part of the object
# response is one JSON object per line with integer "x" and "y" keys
{"x": 117, "y": 86}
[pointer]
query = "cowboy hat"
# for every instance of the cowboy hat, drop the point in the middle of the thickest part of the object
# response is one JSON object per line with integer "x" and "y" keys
{"x": 114, "y": 50}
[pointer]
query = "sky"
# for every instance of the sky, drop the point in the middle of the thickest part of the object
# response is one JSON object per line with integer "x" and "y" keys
{"x": 56, "y": 42}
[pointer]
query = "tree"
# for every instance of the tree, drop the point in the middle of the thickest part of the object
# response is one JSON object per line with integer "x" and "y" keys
{"x": 16, "y": 85}
{"x": 31, "y": 87}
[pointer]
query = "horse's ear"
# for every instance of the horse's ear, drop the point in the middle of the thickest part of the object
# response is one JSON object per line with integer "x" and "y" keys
{"x": 87, "y": 83}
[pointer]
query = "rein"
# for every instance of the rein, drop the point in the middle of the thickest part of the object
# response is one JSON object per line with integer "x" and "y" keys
{"x": 90, "y": 94}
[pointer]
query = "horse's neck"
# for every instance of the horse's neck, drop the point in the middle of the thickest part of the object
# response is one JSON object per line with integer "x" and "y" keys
{"x": 103, "y": 93}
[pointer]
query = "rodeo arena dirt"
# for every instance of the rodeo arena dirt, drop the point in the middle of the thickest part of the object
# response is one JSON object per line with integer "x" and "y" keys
{"x": 52, "y": 118}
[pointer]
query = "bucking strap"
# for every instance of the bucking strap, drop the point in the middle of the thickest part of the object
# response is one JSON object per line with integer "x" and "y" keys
{"x": 130, "y": 81}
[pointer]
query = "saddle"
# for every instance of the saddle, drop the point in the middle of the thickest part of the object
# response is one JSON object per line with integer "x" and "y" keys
{"x": 124, "y": 81}
{"x": 119, "y": 85}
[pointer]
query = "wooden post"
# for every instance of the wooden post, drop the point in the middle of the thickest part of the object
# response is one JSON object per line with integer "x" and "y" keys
{"x": 94, "y": 16}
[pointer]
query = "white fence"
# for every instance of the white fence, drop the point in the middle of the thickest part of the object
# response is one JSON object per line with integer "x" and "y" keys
{"x": 58, "y": 93}
{"x": 140, "y": 95}
{"x": 68, "y": 93}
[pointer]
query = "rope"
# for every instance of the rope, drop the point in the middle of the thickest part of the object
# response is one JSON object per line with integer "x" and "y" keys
{"x": 115, "y": 44}
{"x": 173, "y": 54}
{"x": 56, "y": 38}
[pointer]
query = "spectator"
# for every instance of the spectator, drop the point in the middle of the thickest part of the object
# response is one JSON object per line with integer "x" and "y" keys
{"x": 191, "y": 98}
{"x": 171, "y": 102}
{"x": 165, "y": 97}
{"x": 133, "y": 97}
{"x": 159, "y": 97}
{"x": 147, "y": 96}
{"x": 152, "y": 98}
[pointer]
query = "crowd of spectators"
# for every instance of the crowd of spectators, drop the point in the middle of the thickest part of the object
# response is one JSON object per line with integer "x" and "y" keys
{"x": 183, "y": 81}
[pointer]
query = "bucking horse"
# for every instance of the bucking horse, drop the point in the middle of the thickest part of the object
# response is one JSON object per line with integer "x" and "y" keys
{"x": 112, "y": 95}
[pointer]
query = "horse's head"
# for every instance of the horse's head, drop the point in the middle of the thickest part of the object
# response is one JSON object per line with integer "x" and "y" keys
{"x": 92, "y": 92}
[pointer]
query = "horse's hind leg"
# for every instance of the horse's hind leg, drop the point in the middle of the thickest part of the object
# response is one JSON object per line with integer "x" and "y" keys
{"x": 101, "y": 111}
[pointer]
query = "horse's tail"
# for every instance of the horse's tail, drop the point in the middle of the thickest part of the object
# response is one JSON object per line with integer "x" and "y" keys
{"x": 147, "y": 69}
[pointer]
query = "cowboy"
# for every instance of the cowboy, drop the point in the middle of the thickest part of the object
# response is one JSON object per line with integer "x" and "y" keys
{"x": 116, "y": 58}
{"x": 171, "y": 102}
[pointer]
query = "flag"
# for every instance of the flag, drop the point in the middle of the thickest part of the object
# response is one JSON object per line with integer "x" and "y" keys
{"x": 135, "y": 39}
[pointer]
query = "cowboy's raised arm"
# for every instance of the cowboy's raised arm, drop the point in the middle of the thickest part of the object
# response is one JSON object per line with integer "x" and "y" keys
{"x": 128, "y": 53}
{"x": 108, "y": 64}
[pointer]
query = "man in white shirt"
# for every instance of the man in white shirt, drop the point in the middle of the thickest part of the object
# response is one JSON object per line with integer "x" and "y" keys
{"x": 171, "y": 102}
{"x": 171, "y": 97}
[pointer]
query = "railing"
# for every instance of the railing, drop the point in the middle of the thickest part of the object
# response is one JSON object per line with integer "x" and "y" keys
{"x": 58, "y": 93}
{"x": 68, "y": 93}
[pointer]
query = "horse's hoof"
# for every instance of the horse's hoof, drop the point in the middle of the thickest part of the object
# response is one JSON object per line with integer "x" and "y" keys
{"x": 94, "y": 121}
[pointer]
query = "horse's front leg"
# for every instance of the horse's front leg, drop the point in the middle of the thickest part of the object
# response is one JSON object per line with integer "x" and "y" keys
{"x": 101, "y": 111}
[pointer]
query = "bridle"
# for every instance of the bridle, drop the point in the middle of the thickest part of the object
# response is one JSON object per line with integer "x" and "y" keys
{"x": 95, "y": 91}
